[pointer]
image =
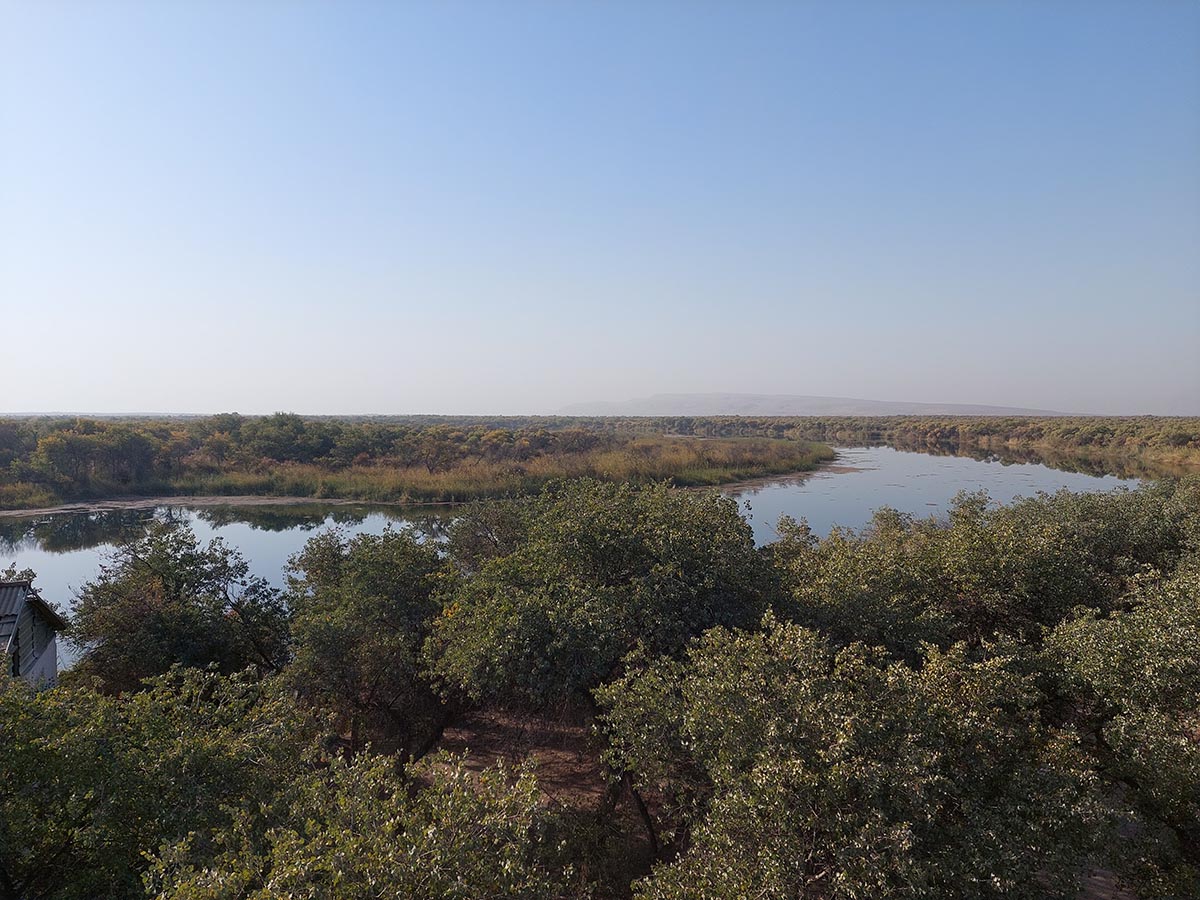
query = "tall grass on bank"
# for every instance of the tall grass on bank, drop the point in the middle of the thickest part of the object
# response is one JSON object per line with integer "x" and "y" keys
{"x": 683, "y": 461}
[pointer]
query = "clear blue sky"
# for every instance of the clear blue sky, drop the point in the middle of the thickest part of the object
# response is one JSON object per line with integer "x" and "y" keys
{"x": 506, "y": 207}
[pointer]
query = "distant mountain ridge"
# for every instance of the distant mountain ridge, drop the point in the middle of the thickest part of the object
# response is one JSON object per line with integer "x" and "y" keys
{"x": 783, "y": 405}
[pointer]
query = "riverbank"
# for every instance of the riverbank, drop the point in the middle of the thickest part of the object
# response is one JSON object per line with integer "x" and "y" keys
{"x": 204, "y": 501}
{"x": 445, "y": 467}
{"x": 186, "y": 500}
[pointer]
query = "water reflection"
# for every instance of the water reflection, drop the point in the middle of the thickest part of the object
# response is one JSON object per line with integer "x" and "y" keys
{"x": 67, "y": 532}
{"x": 919, "y": 484}
{"x": 70, "y": 532}
{"x": 1096, "y": 466}
{"x": 296, "y": 517}
{"x": 67, "y": 548}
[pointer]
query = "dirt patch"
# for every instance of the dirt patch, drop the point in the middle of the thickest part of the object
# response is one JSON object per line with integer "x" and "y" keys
{"x": 568, "y": 768}
{"x": 607, "y": 840}
{"x": 1100, "y": 884}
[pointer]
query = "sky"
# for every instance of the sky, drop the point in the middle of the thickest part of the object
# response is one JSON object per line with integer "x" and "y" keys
{"x": 508, "y": 207}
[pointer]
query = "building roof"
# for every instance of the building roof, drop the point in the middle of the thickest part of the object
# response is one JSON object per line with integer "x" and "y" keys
{"x": 15, "y": 594}
{"x": 12, "y": 595}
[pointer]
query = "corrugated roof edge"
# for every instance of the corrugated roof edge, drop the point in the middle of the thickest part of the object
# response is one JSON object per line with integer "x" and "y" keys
{"x": 32, "y": 596}
{"x": 60, "y": 623}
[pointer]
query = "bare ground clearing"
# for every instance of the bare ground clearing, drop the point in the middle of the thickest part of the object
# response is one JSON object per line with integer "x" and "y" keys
{"x": 568, "y": 770}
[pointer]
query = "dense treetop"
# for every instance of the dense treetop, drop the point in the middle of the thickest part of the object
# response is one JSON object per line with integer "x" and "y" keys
{"x": 598, "y": 571}
{"x": 991, "y": 705}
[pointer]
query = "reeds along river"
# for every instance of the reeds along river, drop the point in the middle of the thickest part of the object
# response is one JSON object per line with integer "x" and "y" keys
{"x": 67, "y": 549}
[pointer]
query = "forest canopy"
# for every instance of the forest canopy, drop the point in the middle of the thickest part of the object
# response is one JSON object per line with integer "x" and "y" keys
{"x": 998, "y": 704}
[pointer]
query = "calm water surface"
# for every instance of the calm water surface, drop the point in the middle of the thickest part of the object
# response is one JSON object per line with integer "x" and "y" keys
{"x": 914, "y": 483}
{"x": 67, "y": 550}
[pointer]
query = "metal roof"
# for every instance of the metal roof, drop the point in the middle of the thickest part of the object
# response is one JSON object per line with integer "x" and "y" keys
{"x": 14, "y": 594}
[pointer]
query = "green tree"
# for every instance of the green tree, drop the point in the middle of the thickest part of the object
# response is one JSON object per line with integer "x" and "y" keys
{"x": 90, "y": 784}
{"x": 164, "y": 599}
{"x": 360, "y": 830}
{"x": 1131, "y": 686}
{"x": 486, "y": 531}
{"x": 362, "y": 609}
{"x": 599, "y": 570}
{"x": 791, "y": 770}
{"x": 986, "y": 572}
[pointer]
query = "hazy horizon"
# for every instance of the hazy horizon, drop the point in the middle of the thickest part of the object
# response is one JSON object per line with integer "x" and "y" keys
{"x": 465, "y": 209}
{"x": 569, "y": 410}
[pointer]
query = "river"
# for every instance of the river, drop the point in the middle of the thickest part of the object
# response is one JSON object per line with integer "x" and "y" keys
{"x": 67, "y": 549}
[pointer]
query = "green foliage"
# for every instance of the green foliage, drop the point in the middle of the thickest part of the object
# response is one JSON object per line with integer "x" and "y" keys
{"x": 989, "y": 571}
{"x": 359, "y": 830}
{"x": 12, "y": 573}
{"x": 798, "y": 771}
{"x": 1126, "y": 445}
{"x": 1131, "y": 683}
{"x": 601, "y": 569}
{"x": 430, "y": 458}
{"x": 164, "y": 600}
{"x": 207, "y": 786}
{"x": 487, "y": 531}
{"x": 43, "y": 461}
{"x": 981, "y": 707}
{"x": 362, "y": 610}
{"x": 90, "y": 783}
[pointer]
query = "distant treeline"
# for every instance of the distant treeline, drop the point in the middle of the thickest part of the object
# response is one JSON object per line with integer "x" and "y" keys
{"x": 430, "y": 459}
{"x": 1162, "y": 444}
{"x": 45, "y": 461}
{"x": 1170, "y": 439}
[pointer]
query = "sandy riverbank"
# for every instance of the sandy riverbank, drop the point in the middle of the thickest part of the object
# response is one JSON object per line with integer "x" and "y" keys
{"x": 188, "y": 500}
